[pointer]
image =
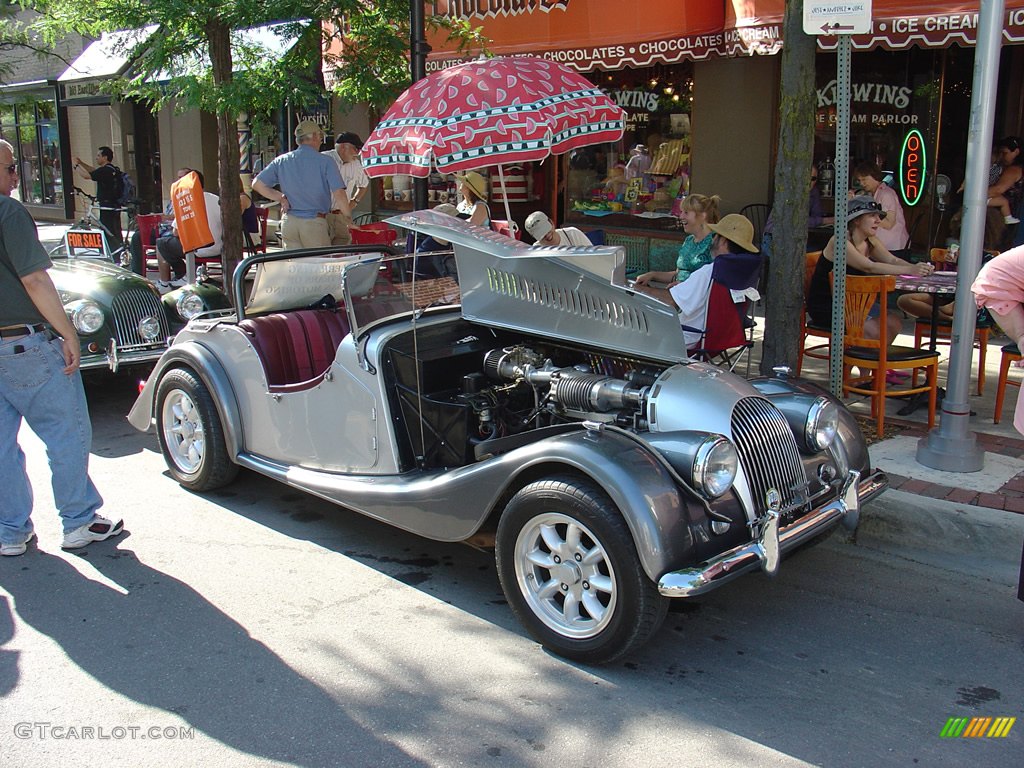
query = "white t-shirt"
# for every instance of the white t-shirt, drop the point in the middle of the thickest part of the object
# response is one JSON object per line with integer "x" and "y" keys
{"x": 352, "y": 173}
{"x": 691, "y": 296}
{"x": 572, "y": 236}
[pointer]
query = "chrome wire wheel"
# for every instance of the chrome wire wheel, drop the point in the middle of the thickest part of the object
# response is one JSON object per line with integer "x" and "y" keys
{"x": 566, "y": 575}
{"x": 184, "y": 433}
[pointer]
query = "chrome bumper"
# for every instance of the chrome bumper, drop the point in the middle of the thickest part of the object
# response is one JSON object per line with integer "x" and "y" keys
{"x": 766, "y": 550}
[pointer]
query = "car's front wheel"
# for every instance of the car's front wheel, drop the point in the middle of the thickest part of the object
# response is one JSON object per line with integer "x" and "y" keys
{"x": 570, "y": 571}
{"x": 190, "y": 432}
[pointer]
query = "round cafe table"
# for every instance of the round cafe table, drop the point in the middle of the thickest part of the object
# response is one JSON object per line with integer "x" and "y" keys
{"x": 937, "y": 284}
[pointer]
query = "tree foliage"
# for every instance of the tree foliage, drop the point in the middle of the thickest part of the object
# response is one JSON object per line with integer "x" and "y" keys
{"x": 199, "y": 58}
{"x": 785, "y": 290}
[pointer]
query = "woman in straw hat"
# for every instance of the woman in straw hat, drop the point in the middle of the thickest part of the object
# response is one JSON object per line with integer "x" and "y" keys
{"x": 473, "y": 205}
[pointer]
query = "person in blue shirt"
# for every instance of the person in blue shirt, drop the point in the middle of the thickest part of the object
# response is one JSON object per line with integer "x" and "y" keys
{"x": 310, "y": 189}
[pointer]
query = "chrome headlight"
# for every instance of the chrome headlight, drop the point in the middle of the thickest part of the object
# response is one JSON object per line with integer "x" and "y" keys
{"x": 189, "y": 304}
{"x": 149, "y": 328}
{"x": 715, "y": 466}
{"x": 822, "y": 424}
{"x": 86, "y": 316}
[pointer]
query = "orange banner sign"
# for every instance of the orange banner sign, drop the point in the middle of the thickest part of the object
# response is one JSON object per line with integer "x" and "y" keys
{"x": 190, "y": 213}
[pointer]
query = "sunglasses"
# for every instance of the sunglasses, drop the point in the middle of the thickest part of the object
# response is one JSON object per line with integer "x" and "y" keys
{"x": 12, "y": 168}
{"x": 814, "y": 178}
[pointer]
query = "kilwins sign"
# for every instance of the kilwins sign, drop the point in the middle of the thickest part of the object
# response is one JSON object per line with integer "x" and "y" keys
{"x": 875, "y": 104}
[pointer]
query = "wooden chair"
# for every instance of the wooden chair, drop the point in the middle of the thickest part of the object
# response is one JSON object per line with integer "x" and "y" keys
{"x": 863, "y": 293}
{"x": 1011, "y": 353}
{"x": 923, "y": 326}
{"x": 253, "y": 247}
{"x": 808, "y": 329}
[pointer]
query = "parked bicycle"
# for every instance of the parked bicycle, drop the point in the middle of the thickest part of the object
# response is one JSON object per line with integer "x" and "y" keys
{"x": 82, "y": 238}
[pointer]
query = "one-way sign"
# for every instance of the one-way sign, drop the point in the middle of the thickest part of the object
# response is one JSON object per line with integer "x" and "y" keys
{"x": 852, "y": 17}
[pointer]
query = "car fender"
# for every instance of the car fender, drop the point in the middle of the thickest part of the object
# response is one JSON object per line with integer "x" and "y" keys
{"x": 659, "y": 514}
{"x": 209, "y": 369}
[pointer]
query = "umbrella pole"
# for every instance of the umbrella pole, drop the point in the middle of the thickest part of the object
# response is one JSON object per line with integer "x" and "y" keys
{"x": 504, "y": 195}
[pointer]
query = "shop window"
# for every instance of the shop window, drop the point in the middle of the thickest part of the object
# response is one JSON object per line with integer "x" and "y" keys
{"x": 641, "y": 179}
{"x": 30, "y": 125}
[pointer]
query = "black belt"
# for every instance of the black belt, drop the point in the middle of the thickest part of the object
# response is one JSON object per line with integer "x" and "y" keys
{"x": 17, "y": 331}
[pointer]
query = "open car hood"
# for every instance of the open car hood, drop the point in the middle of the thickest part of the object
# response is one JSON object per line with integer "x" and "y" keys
{"x": 576, "y": 294}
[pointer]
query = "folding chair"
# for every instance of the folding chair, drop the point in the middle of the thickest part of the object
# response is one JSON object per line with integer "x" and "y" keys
{"x": 506, "y": 228}
{"x": 148, "y": 225}
{"x": 728, "y": 327}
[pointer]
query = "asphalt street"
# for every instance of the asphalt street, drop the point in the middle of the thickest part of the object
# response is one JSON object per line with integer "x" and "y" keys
{"x": 258, "y": 626}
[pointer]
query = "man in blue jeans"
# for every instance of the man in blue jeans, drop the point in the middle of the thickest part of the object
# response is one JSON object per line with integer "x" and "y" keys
{"x": 40, "y": 383}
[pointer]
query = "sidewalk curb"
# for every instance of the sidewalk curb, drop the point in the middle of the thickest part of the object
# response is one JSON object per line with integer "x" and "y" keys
{"x": 969, "y": 539}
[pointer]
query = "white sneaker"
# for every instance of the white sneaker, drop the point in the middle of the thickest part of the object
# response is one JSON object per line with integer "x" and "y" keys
{"x": 98, "y": 530}
{"x": 178, "y": 282}
{"x": 163, "y": 286}
{"x": 1011, "y": 220}
{"x": 13, "y": 550}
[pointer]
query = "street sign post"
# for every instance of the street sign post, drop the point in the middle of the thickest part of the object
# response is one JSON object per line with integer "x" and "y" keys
{"x": 840, "y": 18}
{"x": 844, "y": 17}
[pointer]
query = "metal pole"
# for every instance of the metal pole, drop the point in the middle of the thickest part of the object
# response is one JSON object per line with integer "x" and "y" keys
{"x": 839, "y": 186}
{"x": 418, "y": 50}
{"x": 951, "y": 447}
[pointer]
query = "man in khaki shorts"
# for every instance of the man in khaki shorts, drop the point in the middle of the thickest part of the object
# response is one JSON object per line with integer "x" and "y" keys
{"x": 311, "y": 189}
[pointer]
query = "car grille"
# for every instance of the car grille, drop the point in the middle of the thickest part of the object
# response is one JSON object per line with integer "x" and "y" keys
{"x": 129, "y": 308}
{"x": 769, "y": 455}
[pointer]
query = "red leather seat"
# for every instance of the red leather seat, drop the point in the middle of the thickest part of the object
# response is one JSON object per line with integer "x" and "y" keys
{"x": 296, "y": 348}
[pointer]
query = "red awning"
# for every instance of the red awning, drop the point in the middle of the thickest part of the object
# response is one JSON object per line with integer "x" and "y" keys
{"x": 755, "y": 26}
{"x": 596, "y": 34}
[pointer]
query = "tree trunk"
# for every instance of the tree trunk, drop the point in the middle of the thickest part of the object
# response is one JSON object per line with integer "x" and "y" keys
{"x": 218, "y": 37}
{"x": 784, "y": 304}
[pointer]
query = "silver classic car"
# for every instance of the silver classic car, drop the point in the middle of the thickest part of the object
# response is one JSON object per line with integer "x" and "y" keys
{"x": 532, "y": 401}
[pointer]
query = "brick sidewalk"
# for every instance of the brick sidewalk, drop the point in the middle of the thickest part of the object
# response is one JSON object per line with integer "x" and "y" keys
{"x": 1009, "y": 497}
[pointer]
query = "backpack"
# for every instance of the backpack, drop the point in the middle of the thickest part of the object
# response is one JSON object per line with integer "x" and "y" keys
{"x": 124, "y": 188}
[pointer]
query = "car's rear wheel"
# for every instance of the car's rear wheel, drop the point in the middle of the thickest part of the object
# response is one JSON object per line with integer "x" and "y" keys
{"x": 190, "y": 432}
{"x": 569, "y": 569}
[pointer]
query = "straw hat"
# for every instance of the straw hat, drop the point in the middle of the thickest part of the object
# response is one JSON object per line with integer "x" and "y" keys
{"x": 475, "y": 182}
{"x": 736, "y": 228}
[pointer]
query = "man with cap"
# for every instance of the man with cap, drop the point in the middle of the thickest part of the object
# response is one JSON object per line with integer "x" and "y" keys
{"x": 733, "y": 234}
{"x": 311, "y": 189}
{"x": 543, "y": 231}
{"x": 346, "y": 155}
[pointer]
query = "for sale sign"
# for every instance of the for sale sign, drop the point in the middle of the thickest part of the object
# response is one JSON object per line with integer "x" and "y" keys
{"x": 86, "y": 243}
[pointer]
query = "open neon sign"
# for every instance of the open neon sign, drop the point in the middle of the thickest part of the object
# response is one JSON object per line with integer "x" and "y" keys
{"x": 912, "y": 168}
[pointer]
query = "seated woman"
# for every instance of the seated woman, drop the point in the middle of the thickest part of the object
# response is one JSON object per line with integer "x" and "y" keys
{"x": 473, "y": 205}
{"x": 698, "y": 213}
{"x": 865, "y": 255}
